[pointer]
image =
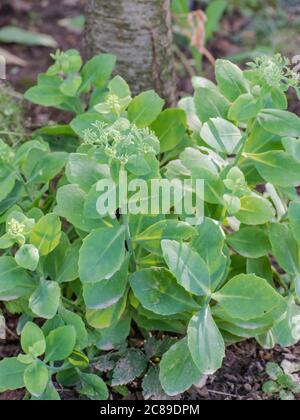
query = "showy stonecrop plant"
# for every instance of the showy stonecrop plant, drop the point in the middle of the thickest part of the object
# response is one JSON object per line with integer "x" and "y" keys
{"x": 97, "y": 282}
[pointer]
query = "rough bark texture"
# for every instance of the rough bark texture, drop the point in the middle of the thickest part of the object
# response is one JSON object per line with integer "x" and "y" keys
{"x": 139, "y": 33}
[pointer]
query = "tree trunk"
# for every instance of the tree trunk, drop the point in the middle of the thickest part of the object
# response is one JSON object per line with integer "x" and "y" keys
{"x": 139, "y": 33}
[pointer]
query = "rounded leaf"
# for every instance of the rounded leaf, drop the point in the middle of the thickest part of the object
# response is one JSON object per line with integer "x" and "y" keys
{"x": 46, "y": 234}
{"x": 178, "y": 372}
{"x": 205, "y": 342}
{"x": 159, "y": 292}
{"x": 247, "y": 297}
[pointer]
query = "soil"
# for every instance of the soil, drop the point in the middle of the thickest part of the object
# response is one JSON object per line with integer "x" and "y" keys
{"x": 243, "y": 372}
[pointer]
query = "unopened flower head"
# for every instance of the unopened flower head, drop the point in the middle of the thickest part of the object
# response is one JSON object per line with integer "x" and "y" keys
{"x": 15, "y": 228}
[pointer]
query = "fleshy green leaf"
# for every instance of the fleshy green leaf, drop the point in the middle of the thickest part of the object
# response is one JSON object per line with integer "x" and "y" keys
{"x": 13, "y": 34}
{"x": 93, "y": 387}
{"x": 48, "y": 168}
{"x": 151, "y": 238}
{"x": 170, "y": 128}
{"x": 129, "y": 367}
{"x": 294, "y": 216}
{"x": 11, "y": 374}
{"x": 84, "y": 121}
{"x": 85, "y": 171}
{"x": 231, "y": 80}
{"x": 50, "y": 394}
{"x": 33, "y": 340}
{"x": 114, "y": 336}
{"x": 277, "y": 167}
{"x": 286, "y": 331}
{"x": 28, "y": 257}
{"x": 282, "y": 123}
{"x": 244, "y": 108}
{"x": 71, "y": 200}
{"x": 209, "y": 243}
{"x": 271, "y": 388}
{"x": 210, "y": 103}
{"x": 262, "y": 268}
{"x": 105, "y": 318}
{"x": 45, "y": 300}
{"x": 285, "y": 248}
{"x": 106, "y": 293}
{"x": 255, "y": 210}
{"x": 36, "y": 377}
{"x": 14, "y": 280}
{"x": 152, "y": 388}
{"x": 250, "y": 242}
{"x": 145, "y": 108}
{"x": 46, "y": 92}
{"x": 69, "y": 271}
{"x": 97, "y": 71}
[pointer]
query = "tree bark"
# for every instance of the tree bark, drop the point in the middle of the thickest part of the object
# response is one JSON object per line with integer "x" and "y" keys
{"x": 139, "y": 33}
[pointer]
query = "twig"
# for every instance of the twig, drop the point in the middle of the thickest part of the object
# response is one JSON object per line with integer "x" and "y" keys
{"x": 189, "y": 69}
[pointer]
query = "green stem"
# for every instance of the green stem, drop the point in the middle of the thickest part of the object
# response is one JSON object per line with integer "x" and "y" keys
{"x": 223, "y": 214}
